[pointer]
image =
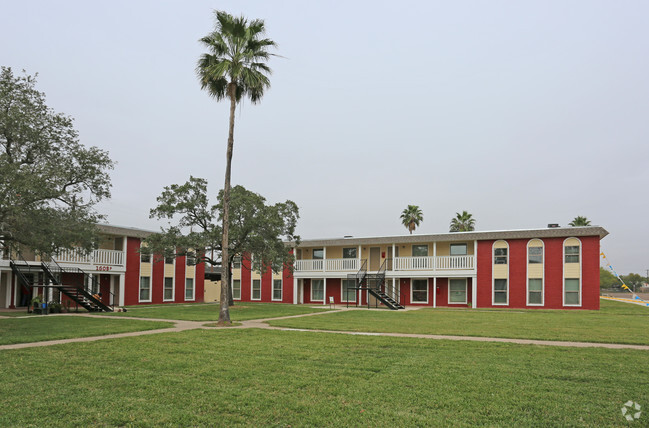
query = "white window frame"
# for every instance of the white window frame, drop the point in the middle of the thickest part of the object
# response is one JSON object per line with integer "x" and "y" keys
{"x": 173, "y": 289}
{"x": 466, "y": 291}
{"x": 193, "y": 290}
{"x": 493, "y": 291}
{"x": 139, "y": 295}
{"x": 412, "y": 291}
{"x": 343, "y": 297}
{"x": 527, "y": 274}
{"x": 281, "y": 290}
{"x": 466, "y": 249}
{"x": 236, "y": 298}
{"x": 311, "y": 290}
{"x": 563, "y": 273}
{"x": 252, "y": 289}
{"x": 493, "y": 275}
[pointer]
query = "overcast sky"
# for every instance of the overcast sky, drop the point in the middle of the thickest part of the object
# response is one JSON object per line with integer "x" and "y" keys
{"x": 522, "y": 113}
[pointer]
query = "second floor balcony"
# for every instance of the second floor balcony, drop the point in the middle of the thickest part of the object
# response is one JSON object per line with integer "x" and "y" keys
{"x": 95, "y": 257}
{"x": 396, "y": 264}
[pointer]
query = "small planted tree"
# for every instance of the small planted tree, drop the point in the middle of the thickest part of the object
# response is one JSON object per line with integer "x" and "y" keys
{"x": 411, "y": 217}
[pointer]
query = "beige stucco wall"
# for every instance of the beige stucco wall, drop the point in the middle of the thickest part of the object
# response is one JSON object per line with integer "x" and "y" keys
{"x": 212, "y": 291}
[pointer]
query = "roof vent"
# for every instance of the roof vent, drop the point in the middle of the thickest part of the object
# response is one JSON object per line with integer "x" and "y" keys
{"x": 348, "y": 236}
{"x": 553, "y": 225}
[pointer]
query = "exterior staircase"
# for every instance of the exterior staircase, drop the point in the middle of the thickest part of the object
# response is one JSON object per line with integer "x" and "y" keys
{"x": 374, "y": 283}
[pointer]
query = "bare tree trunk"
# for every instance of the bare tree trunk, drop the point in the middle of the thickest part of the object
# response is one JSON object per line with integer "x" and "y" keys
{"x": 230, "y": 298}
{"x": 224, "y": 314}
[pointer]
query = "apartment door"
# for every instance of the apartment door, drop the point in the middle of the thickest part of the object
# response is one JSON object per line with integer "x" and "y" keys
{"x": 375, "y": 258}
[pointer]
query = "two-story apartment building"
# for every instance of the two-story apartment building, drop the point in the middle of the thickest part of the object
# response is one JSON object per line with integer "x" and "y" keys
{"x": 552, "y": 268}
{"x": 115, "y": 269}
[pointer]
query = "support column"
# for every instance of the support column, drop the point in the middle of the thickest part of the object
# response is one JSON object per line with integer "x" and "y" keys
{"x": 435, "y": 255}
{"x": 9, "y": 287}
{"x": 394, "y": 256}
{"x": 324, "y": 291}
{"x": 434, "y": 292}
{"x": 474, "y": 292}
{"x": 295, "y": 291}
{"x": 324, "y": 259}
{"x": 121, "y": 288}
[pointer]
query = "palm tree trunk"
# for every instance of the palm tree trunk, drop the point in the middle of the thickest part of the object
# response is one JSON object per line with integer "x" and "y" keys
{"x": 224, "y": 314}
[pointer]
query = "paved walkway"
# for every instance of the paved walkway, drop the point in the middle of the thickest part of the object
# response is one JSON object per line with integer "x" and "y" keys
{"x": 180, "y": 325}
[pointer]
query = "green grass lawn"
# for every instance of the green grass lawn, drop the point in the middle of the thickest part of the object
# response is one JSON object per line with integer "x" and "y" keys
{"x": 273, "y": 378}
{"x": 210, "y": 311}
{"x": 39, "y": 328}
{"x": 615, "y": 322}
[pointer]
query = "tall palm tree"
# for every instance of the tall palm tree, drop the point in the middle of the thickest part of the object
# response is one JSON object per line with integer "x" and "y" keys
{"x": 411, "y": 217}
{"x": 462, "y": 222}
{"x": 579, "y": 221}
{"x": 234, "y": 68}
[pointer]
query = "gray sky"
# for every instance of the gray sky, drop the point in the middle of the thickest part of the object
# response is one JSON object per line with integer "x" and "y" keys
{"x": 523, "y": 113}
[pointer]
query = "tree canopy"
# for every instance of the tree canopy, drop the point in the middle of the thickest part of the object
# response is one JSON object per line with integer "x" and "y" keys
{"x": 411, "y": 217}
{"x": 607, "y": 279}
{"x": 462, "y": 222}
{"x": 579, "y": 221}
{"x": 255, "y": 227}
{"x": 50, "y": 182}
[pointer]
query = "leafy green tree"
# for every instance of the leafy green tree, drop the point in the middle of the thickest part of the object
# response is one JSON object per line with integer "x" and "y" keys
{"x": 255, "y": 228}
{"x": 607, "y": 279}
{"x": 634, "y": 280}
{"x": 411, "y": 217}
{"x": 234, "y": 68}
{"x": 462, "y": 222}
{"x": 50, "y": 182}
{"x": 579, "y": 221}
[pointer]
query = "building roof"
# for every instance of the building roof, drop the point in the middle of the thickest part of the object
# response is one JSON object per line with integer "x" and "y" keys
{"x": 124, "y": 231}
{"x": 550, "y": 232}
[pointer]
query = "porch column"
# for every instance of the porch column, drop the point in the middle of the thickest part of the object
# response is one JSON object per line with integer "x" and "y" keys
{"x": 295, "y": 291}
{"x": 111, "y": 300}
{"x": 324, "y": 261}
{"x": 324, "y": 292}
{"x": 435, "y": 256}
{"x": 434, "y": 291}
{"x": 474, "y": 291}
{"x": 121, "y": 289}
{"x": 475, "y": 256}
{"x": 394, "y": 287}
{"x": 9, "y": 287}
{"x": 392, "y": 263}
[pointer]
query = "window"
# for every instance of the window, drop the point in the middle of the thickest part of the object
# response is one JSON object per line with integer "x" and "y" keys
{"x": 190, "y": 260}
{"x": 318, "y": 254}
{"x": 535, "y": 291}
{"x": 189, "y": 289}
{"x": 535, "y": 255}
{"x": 256, "y": 289}
{"x": 349, "y": 253}
{"x": 349, "y": 290}
{"x": 145, "y": 258}
{"x": 169, "y": 260}
{"x": 500, "y": 256}
{"x": 500, "y": 291}
{"x": 145, "y": 289}
{"x": 236, "y": 263}
{"x": 419, "y": 291}
{"x": 317, "y": 290}
{"x": 420, "y": 250}
{"x": 236, "y": 289}
{"x": 458, "y": 249}
{"x": 571, "y": 291}
{"x": 168, "y": 293}
{"x": 457, "y": 291}
{"x": 572, "y": 254}
{"x": 277, "y": 289}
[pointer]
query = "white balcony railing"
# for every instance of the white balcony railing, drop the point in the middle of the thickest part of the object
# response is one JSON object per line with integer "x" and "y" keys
{"x": 398, "y": 264}
{"x": 328, "y": 265}
{"x": 97, "y": 257}
{"x": 455, "y": 262}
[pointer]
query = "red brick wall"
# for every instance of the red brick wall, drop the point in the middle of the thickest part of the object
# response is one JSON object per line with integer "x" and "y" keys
{"x": 132, "y": 275}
